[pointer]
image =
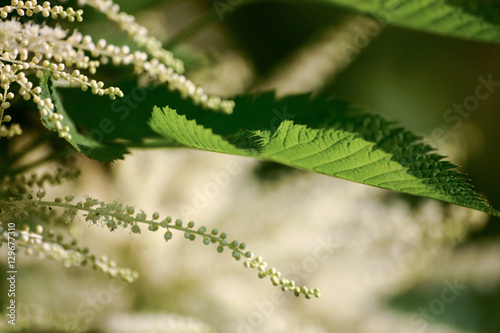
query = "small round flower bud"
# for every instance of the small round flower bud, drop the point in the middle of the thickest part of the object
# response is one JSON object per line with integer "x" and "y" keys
{"x": 111, "y": 225}
{"x": 274, "y": 280}
{"x": 168, "y": 236}
{"x": 136, "y": 229}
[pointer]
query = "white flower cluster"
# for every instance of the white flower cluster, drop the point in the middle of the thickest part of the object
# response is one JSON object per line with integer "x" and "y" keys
{"x": 136, "y": 32}
{"x": 109, "y": 267}
{"x": 14, "y": 129}
{"x": 276, "y": 279}
{"x": 29, "y": 46}
{"x": 162, "y": 67}
{"x": 26, "y": 47}
{"x": 114, "y": 215}
{"x": 48, "y": 245}
{"x": 155, "y": 70}
{"x": 29, "y": 8}
{"x": 34, "y": 243}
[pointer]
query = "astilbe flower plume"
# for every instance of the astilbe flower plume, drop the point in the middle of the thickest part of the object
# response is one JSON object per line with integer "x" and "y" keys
{"x": 33, "y": 48}
{"x": 115, "y": 215}
{"x": 31, "y": 51}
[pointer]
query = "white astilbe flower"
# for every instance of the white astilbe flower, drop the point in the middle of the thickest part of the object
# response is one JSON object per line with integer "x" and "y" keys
{"x": 116, "y": 215}
{"x": 30, "y": 47}
{"x": 48, "y": 245}
{"x": 29, "y": 8}
{"x": 162, "y": 67}
{"x": 136, "y": 32}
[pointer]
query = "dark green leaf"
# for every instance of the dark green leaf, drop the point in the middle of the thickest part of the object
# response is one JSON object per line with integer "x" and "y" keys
{"x": 91, "y": 145}
{"x": 325, "y": 136}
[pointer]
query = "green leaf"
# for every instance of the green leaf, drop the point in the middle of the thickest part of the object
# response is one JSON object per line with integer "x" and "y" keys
{"x": 489, "y": 10}
{"x": 85, "y": 144}
{"x": 188, "y": 133}
{"x": 449, "y": 18}
{"x": 128, "y": 115}
{"x": 347, "y": 143}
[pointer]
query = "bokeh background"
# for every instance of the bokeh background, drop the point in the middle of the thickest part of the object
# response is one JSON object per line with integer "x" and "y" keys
{"x": 385, "y": 262}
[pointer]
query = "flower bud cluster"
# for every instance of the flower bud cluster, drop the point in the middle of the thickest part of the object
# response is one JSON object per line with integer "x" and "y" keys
{"x": 29, "y": 8}
{"x": 30, "y": 47}
{"x": 276, "y": 280}
{"x": 156, "y": 71}
{"x": 9, "y": 131}
{"x": 13, "y": 129}
{"x": 162, "y": 67}
{"x": 159, "y": 73}
{"x": 115, "y": 214}
{"x": 46, "y": 49}
{"x": 34, "y": 243}
{"x": 51, "y": 246}
{"x": 135, "y": 31}
{"x": 104, "y": 265}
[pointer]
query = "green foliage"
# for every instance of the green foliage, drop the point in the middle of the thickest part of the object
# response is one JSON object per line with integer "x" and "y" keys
{"x": 348, "y": 142}
{"x": 353, "y": 145}
{"x": 469, "y": 20}
{"x": 369, "y": 149}
{"x": 487, "y": 9}
{"x": 85, "y": 144}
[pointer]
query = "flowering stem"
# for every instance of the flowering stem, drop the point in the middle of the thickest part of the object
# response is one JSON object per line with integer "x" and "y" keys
{"x": 125, "y": 217}
{"x": 115, "y": 214}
